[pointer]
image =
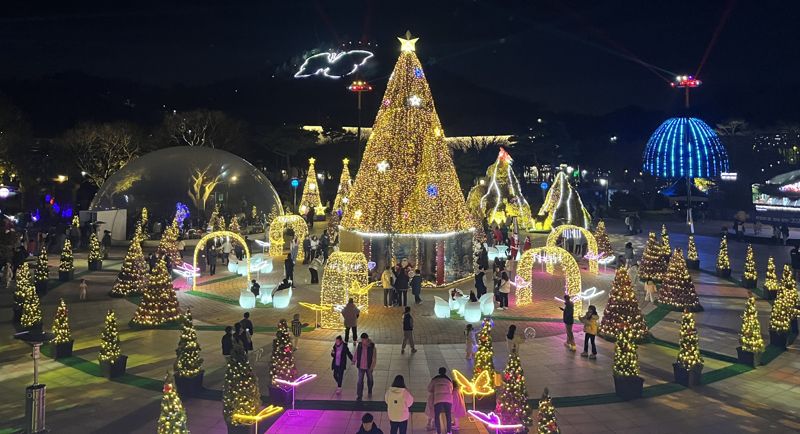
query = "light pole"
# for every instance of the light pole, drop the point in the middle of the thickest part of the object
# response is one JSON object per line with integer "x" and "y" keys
{"x": 359, "y": 87}
{"x": 35, "y": 393}
{"x": 687, "y": 82}
{"x": 604, "y": 183}
{"x": 295, "y": 183}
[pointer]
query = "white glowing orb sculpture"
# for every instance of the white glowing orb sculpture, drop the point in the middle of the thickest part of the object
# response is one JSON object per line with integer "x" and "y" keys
{"x": 247, "y": 299}
{"x": 440, "y": 307}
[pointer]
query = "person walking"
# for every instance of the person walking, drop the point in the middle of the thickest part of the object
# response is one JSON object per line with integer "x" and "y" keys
{"x": 408, "y": 331}
{"x": 293, "y": 247}
{"x": 227, "y": 342}
{"x": 365, "y": 360}
{"x": 288, "y": 268}
{"x": 306, "y": 249}
{"x": 470, "y": 343}
{"x": 482, "y": 257}
{"x": 227, "y": 248}
{"x": 398, "y": 400}
{"x": 568, "y": 318}
{"x": 350, "y": 315}
{"x": 316, "y": 265}
{"x": 503, "y": 290}
{"x": 297, "y": 330}
{"x": 513, "y": 339}
{"x": 83, "y": 287}
{"x": 480, "y": 282}
{"x": 441, "y": 387}
{"x": 590, "y": 331}
{"x": 416, "y": 286}
{"x": 401, "y": 285}
{"x": 629, "y": 255}
{"x": 367, "y": 420}
{"x": 242, "y": 337}
{"x": 387, "y": 278}
{"x": 339, "y": 355}
{"x": 212, "y": 261}
{"x": 255, "y": 288}
{"x": 650, "y": 291}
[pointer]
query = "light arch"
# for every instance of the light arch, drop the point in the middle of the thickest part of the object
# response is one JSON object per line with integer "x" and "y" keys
{"x": 202, "y": 243}
{"x": 557, "y": 231}
{"x": 276, "y": 228}
{"x": 572, "y": 274}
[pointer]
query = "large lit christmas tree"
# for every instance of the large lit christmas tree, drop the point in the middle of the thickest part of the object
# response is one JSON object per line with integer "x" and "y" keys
{"x": 499, "y": 197}
{"x": 240, "y": 392}
{"x": 782, "y": 311}
{"x": 771, "y": 283}
{"x": 172, "y": 419}
{"x": 67, "y": 262}
{"x": 512, "y": 399}
{"x": 188, "y": 362}
{"x": 546, "y": 419}
{"x": 626, "y": 359}
{"x": 132, "y": 276}
{"x": 484, "y": 357}
{"x": 750, "y": 335}
{"x": 282, "y": 366}
{"x": 110, "y": 350}
{"x": 62, "y": 333}
{"x": 689, "y": 352}
{"x": 692, "y": 258}
{"x": 159, "y": 303}
{"x": 603, "y": 242}
{"x": 343, "y": 191}
{"x": 677, "y": 289}
{"x": 750, "y": 275}
{"x": 651, "y": 266}
{"x": 407, "y": 143}
{"x": 562, "y": 206}
{"x": 310, "y": 199}
{"x": 622, "y": 310}
{"x": 723, "y": 262}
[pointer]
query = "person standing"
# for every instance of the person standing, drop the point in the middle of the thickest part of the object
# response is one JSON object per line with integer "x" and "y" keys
{"x": 569, "y": 320}
{"x": 255, "y": 288}
{"x": 398, "y": 400}
{"x": 650, "y": 291}
{"x": 212, "y": 261}
{"x": 242, "y": 337}
{"x": 350, "y": 315}
{"x": 316, "y": 265}
{"x": 83, "y": 287}
{"x": 247, "y": 328}
{"x": 504, "y": 290}
{"x": 227, "y": 248}
{"x": 470, "y": 343}
{"x": 629, "y": 255}
{"x": 408, "y": 331}
{"x": 306, "y": 249}
{"x": 441, "y": 387}
{"x": 482, "y": 257}
{"x": 480, "y": 282}
{"x": 339, "y": 355}
{"x": 293, "y": 247}
{"x": 297, "y": 330}
{"x": 288, "y": 268}
{"x": 590, "y": 331}
{"x": 365, "y": 360}
{"x": 401, "y": 285}
{"x": 416, "y": 286}
{"x": 387, "y": 277}
{"x": 106, "y": 243}
{"x": 513, "y": 339}
{"x": 227, "y": 342}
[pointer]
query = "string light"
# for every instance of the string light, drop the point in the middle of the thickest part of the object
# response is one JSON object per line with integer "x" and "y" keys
{"x": 555, "y": 210}
{"x": 132, "y": 277}
{"x": 493, "y": 421}
{"x": 110, "y": 350}
{"x": 677, "y": 289}
{"x": 172, "y": 419}
{"x": 603, "y": 242}
{"x": 750, "y": 334}
{"x": 652, "y": 266}
{"x": 553, "y": 236}
{"x": 622, "y": 311}
{"x": 67, "y": 262}
{"x": 689, "y": 353}
{"x": 504, "y": 192}
{"x": 343, "y": 191}
{"x": 484, "y": 357}
{"x": 241, "y": 396}
{"x": 691, "y": 253}
{"x": 626, "y": 360}
{"x": 188, "y": 362}
{"x": 276, "y": 228}
{"x": 42, "y": 268}
{"x": 344, "y": 272}
{"x": 94, "y": 248}
{"x": 783, "y": 311}
{"x": 61, "y": 329}
{"x": 481, "y": 386}
{"x": 333, "y": 65}
{"x": 723, "y": 262}
{"x": 572, "y": 274}
{"x": 282, "y": 365}
{"x": 31, "y": 305}
{"x": 546, "y": 419}
{"x": 512, "y": 399}
{"x": 159, "y": 303}
{"x": 685, "y": 147}
{"x": 750, "y": 272}
{"x": 771, "y": 278}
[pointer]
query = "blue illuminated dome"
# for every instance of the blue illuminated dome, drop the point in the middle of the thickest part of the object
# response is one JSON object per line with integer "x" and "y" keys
{"x": 685, "y": 148}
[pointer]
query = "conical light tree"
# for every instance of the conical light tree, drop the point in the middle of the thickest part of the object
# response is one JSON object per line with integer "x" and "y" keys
{"x": 94, "y": 248}
{"x": 24, "y": 285}
{"x": 310, "y": 199}
{"x": 666, "y": 248}
{"x": 691, "y": 252}
{"x": 282, "y": 366}
{"x": 512, "y": 399}
{"x": 172, "y": 419}
{"x": 188, "y": 362}
{"x": 603, "y": 242}
{"x": 42, "y": 267}
{"x": 169, "y": 243}
{"x": 500, "y": 197}
{"x": 343, "y": 191}
{"x": 484, "y": 357}
{"x": 61, "y": 329}
{"x": 110, "y": 350}
{"x": 219, "y": 223}
{"x": 622, "y": 310}
{"x": 677, "y": 289}
{"x": 651, "y": 266}
{"x": 159, "y": 303}
{"x": 723, "y": 262}
{"x": 67, "y": 262}
{"x": 234, "y": 226}
{"x": 407, "y": 142}
{"x": 31, "y": 305}
{"x": 689, "y": 352}
{"x": 562, "y": 206}
{"x": 626, "y": 359}
{"x": 771, "y": 282}
{"x": 782, "y": 310}
{"x": 750, "y": 335}
{"x": 750, "y": 275}
{"x": 240, "y": 392}
{"x": 132, "y": 277}
{"x": 546, "y": 419}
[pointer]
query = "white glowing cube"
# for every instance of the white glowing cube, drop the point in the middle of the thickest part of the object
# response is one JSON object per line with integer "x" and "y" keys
{"x": 247, "y": 299}
{"x": 472, "y": 312}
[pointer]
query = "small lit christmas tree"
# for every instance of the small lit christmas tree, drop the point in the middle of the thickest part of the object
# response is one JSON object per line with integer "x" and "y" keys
{"x": 76, "y": 222}
{"x": 343, "y": 191}
{"x": 750, "y": 276}
{"x": 310, "y": 199}
{"x": 603, "y": 242}
{"x": 234, "y": 226}
{"x": 282, "y": 366}
{"x": 188, "y": 362}
{"x": 61, "y": 329}
{"x": 144, "y": 217}
{"x": 677, "y": 289}
{"x": 782, "y": 311}
{"x": 172, "y": 419}
{"x": 689, "y": 353}
{"x": 94, "y": 250}
{"x": 159, "y": 303}
{"x": 652, "y": 267}
{"x": 132, "y": 276}
{"x": 42, "y": 267}
{"x": 692, "y": 258}
{"x": 666, "y": 248}
{"x": 546, "y": 419}
{"x": 24, "y": 285}
{"x": 254, "y": 213}
{"x": 771, "y": 283}
{"x": 219, "y": 224}
{"x": 240, "y": 392}
{"x": 512, "y": 399}
{"x": 212, "y": 221}
{"x": 169, "y": 243}
{"x": 626, "y": 359}
{"x": 110, "y": 350}
{"x": 31, "y": 307}
{"x": 67, "y": 264}
{"x": 622, "y": 310}
{"x": 484, "y": 357}
{"x": 750, "y": 335}
{"x": 723, "y": 262}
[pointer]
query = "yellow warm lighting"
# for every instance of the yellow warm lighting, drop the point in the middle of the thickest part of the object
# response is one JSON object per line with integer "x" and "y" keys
{"x": 276, "y": 228}
{"x": 212, "y": 235}
{"x": 310, "y": 198}
{"x": 343, "y": 192}
{"x": 246, "y": 419}
{"x": 572, "y": 274}
{"x": 315, "y": 307}
{"x": 482, "y": 386}
{"x": 562, "y": 203}
{"x": 408, "y": 43}
{"x": 344, "y": 272}
{"x": 358, "y": 289}
{"x": 552, "y": 238}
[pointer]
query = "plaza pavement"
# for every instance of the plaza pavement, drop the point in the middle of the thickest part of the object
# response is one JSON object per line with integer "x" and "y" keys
{"x": 761, "y": 400}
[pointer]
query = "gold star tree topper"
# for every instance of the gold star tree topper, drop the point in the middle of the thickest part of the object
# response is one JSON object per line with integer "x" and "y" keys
{"x": 407, "y": 43}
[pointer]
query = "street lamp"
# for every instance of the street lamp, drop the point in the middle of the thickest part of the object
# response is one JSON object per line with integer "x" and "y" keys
{"x": 359, "y": 87}
{"x": 35, "y": 393}
{"x": 604, "y": 183}
{"x": 295, "y": 183}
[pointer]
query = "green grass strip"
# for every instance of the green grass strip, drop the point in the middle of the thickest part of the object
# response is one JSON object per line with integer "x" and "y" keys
{"x": 656, "y": 315}
{"x": 525, "y": 318}
{"x": 221, "y": 279}
{"x": 222, "y": 299}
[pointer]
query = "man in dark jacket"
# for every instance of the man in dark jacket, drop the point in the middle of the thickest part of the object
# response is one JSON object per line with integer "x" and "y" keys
{"x": 480, "y": 283}
{"x": 408, "y": 331}
{"x": 288, "y": 268}
{"x": 368, "y": 425}
{"x": 212, "y": 261}
{"x": 569, "y": 319}
{"x": 306, "y": 250}
{"x": 401, "y": 285}
{"x": 227, "y": 342}
{"x": 365, "y": 359}
{"x": 416, "y": 286}
{"x": 255, "y": 288}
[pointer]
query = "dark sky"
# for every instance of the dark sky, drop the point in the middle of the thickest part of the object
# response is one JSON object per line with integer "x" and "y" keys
{"x": 564, "y": 55}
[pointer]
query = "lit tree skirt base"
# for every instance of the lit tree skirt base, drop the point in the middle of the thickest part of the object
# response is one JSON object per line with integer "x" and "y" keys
{"x": 41, "y": 288}
{"x": 189, "y": 386}
{"x": 688, "y": 377}
{"x": 66, "y": 276}
{"x": 693, "y": 264}
{"x": 116, "y": 369}
{"x": 748, "y": 358}
{"x": 672, "y": 307}
{"x": 723, "y": 272}
{"x": 628, "y": 388}
{"x": 95, "y": 265}
{"x": 748, "y": 283}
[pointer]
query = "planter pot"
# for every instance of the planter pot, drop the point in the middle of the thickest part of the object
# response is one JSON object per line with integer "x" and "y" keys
{"x": 95, "y": 265}
{"x": 114, "y": 370}
{"x": 693, "y": 264}
{"x": 687, "y": 377}
{"x": 66, "y": 276}
{"x": 189, "y": 386}
{"x": 63, "y": 350}
{"x": 41, "y": 288}
{"x": 770, "y": 295}
{"x": 628, "y": 388}
{"x": 240, "y": 429}
{"x": 748, "y": 358}
{"x": 748, "y": 283}
{"x": 278, "y": 396}
{"x": 724, "y": 272}
{"x": 778, "y": 339}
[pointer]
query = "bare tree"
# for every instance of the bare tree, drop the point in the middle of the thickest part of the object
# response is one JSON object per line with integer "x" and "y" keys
{"x": 211, "y": 128}
{"x": 201, "y": 187}
{"x": 734, "y": 127}
{"x": 102, "y": 149}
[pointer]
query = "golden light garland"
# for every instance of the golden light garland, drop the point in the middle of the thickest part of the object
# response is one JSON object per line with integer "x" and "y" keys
{"x": 572, "y": 274}
{"x": 276, "y": 228}
{"x": 552, "y": 240}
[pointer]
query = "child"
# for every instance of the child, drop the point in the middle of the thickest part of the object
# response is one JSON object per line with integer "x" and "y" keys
{"x": 297, "y": 328}
{"x": 590, "y": 331}
{"x": 83, "y": 288}
{"x": 459, "y": 407}
{"x": 650, "y": 291}
{"x": 469, "y": 345}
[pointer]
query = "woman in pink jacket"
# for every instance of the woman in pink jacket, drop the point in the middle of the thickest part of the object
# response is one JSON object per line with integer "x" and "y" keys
{"x": 441, "y": 391}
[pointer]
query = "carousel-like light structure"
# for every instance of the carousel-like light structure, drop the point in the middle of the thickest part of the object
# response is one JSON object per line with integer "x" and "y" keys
{"x": 685, "y": 147}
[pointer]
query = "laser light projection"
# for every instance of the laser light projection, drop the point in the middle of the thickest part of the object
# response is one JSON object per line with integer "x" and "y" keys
{"x": 333, "y": 64}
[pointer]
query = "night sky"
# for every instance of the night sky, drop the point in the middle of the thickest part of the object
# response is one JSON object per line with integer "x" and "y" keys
{"x": 581, "y": 57}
